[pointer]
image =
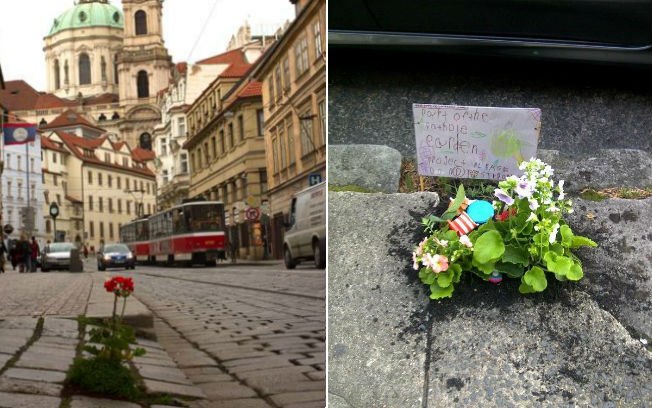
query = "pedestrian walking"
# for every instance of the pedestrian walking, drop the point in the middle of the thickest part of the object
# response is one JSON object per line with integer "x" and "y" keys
{"x": 3, "y": 255}
{"x": 85, "y": 251}
{"x": 34, "y": 251}
{"x": 23, "y": 253}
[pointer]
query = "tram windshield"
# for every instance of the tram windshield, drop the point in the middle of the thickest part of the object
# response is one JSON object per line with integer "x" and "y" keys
{"x": 207, "y": 217}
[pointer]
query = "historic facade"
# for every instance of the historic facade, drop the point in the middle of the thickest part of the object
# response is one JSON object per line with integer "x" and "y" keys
{"x": 293, "y": 74}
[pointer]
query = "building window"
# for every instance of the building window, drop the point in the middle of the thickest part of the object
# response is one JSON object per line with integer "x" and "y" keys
{"x": 103, "y": 68}
{"x": 19, "y": 162}
{"x": 260, "y": 122}
{"x": 275, "y": 153}
{"x": 286, "y": 73}
{"x": 55, "y": 180}
{"x": 307, "y": 143}
{"x": 99, "y": 179}
{"x": 66, "y": 80}
{"x": 84, "y": 69}
{"x": 322, "y": 122}
{"x": 119, "y": 181}
{"x": 107, "y": 157}
{"x": 143, "y": 84}
{"x": 241, "y": 128}
{"x": 57, "y": 75}
{"x": 8, "y": 163}
{"x": 163, "y": 143}
{"x": 316, "y": 29}
{"x": 59, "y": 199}
{"x": 281, "y": 142}
{"x": 20, "y": 189}
{"x": 91, "y": 228}
{"x": 101, "y": 204}
{"x": 262, "y": 174}
{"x": 90, "y": 177}
{"x": 90, "y": 203}
{"x": 222, "y": 149}
{"x": 270, "y": 90}
{"x": 46, "y": 196}
{"x": 184, "y": 163}
{"x": 54, "y": 157}
{"x": 230, "y": 132}
{"x": 111, "y": 205}
{"x": 128, "y": 204}
{"x": 140, "y": 18}
{"x": 278, "y": 82}
{"x": 213, "y": 146}
{"x": 206, "y": 157}
{"x": 111, "y": 230}
{"x": 109, "y": 180}
{"x": 165, "y": 176}
{"x": 301, "y": 56}
{"x": 48, "y": 227}
{"x": 101, "y": 229}
{"x": 181, "y": 127}
{"x": 119, "y": 206}
{"x": 115, "y": 69}
{"x": 31, "y": 165}
{"x": 290, "y": 130}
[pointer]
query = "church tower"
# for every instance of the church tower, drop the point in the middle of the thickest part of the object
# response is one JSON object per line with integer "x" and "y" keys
{"x": 144, "y": 67}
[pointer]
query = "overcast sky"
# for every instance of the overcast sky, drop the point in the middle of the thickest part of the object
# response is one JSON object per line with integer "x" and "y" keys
{"x": 25, "y": 23}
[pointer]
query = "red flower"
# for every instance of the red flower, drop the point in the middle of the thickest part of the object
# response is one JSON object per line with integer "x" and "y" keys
{"x": 119, "y": 285}
{"x": 506, "y": 214}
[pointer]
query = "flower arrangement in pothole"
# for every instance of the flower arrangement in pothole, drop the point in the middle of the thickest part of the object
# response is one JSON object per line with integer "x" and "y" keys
{"x": 521, "y": 235}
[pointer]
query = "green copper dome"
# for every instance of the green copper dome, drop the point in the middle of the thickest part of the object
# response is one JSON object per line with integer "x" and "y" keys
{"x": 89, "y": 13}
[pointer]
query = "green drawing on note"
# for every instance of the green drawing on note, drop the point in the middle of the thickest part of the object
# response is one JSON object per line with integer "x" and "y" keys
{"x": 505, "y": 143}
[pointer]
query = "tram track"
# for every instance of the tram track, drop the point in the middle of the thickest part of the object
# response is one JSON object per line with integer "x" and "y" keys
{"x": 230, "y": 285}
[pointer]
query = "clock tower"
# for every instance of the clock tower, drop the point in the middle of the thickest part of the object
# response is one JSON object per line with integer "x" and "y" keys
{"x": 143, "y": 69}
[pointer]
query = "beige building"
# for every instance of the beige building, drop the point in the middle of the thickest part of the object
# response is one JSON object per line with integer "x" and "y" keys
{"x": 98, "y": 184}
{"x": 293, "y": 73}
{"x": 227, "y": 153}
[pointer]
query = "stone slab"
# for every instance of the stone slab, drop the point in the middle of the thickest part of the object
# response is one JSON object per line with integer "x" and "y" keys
{"x": 374, "y": 167}
{"x": 487, "y": 346}
{"x": 227, "y": 391}
{"x": 231, "y": 403}
{"x": 67, "y": 328}
{"x": 602, "y": 168}
{"x": 159, "y": 373}
{"x": 80, "y": 401}
{"x": 618, "y": 273}
{"x": 4, "y": 358}
{"x": 370, "y": 296}
{"x": 153, "y": 386}
{"x": 14, "y": 385}
{"x": 298, "y": 397}
{"x": 36, "y": 375}
{"x": 11, "y": 400}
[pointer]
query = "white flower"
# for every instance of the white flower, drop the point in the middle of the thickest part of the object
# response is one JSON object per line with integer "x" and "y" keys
{"x": 552, "y": 208}
{"x": 534, "y": 204}
{"x": 442, "y": 242}
{"x": 524, "y": 189}
{"x": 643, "y": 341}
{"x": 553, "y": 234}
{"x": 561, "y": 196}
{"x": 464, "y": 240}
{"x": 532, "y": 217}
{"x": 537, "y": 228}
{"x": 523, "y": 165}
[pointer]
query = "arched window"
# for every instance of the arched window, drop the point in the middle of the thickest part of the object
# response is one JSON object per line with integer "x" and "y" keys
{"x": 84, "y": 69}
{"x": 146, "y": 141}
{"x": 143, "y": 84}
{"x": 57, "y": 75}
{"x": 116, "y": 79}
{"x": 103, "y": 68}
{"x": 141, "y": 22}
{"x": 66, "y": 79}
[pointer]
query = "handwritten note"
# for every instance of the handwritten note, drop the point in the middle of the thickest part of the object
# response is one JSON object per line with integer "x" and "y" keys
{"x": 474, "y": 142}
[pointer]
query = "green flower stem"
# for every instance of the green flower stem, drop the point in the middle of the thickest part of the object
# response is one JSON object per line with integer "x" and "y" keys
{"x": 124, "y": 304}
{"x": 115, "y": 304}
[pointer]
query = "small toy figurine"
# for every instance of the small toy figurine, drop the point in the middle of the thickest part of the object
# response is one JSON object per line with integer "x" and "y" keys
{"x": 471, "y": 214}
{"x": 496, "y": 277}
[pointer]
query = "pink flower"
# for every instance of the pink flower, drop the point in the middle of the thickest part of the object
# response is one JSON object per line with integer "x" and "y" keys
{"x": 415, "y": 264}
{"x": 464, "y": 240}
{"x": 438, "y": 263}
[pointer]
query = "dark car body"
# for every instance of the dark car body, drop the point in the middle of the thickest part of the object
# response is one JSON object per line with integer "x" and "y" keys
{"x": 115, "y": 255}
{"x": 612, "y": 31}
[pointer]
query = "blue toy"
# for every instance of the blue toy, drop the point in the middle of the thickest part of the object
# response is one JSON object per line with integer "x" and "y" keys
{"x": 480, "y": 211}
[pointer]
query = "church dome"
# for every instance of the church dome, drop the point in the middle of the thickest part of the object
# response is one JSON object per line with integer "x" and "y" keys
{"x": 89, "y": 13}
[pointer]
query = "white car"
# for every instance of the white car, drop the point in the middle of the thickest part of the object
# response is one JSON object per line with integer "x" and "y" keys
{"x": 56, "y": 255}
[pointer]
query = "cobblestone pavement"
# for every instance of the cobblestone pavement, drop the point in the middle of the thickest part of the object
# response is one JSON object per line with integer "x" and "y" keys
{"x": 42, "y": 294}
{"x": 249, "y": 336}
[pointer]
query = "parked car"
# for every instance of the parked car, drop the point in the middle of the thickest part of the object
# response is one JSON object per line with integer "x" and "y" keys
{"x": 115, "y": 255}
{"x": 587, "y": 30}
{"x": 56, "y": 255}
{"x": 305, "y": 237}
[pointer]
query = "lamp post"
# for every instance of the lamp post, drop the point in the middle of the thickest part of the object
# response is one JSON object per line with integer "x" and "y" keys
{"x": 54, "y": 213}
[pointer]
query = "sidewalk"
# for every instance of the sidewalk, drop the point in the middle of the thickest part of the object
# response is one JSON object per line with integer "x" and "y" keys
{"x": 489, "y": 346}
{"x": 37, "y": 347}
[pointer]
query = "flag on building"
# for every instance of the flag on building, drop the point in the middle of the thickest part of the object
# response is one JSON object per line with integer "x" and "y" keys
{"x": 18, "y": 133}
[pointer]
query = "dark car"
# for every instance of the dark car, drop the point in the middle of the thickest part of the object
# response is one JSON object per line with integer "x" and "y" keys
{"x": 56, "y": 255}
{"x": 115, "y": 256}
{"x": 584, "y": 30}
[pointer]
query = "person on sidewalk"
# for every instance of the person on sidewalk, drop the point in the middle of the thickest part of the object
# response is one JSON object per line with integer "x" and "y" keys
{"x": 34, "y": 250}
{"x": 3, "y": 254}
{"x": 23, "y": 253}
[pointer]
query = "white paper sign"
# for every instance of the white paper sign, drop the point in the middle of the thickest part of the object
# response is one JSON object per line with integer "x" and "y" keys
{"x": 474, "y": 142}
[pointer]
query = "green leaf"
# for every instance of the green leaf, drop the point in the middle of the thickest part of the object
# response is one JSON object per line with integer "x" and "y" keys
{"x": 558, "y": 264}
{"x": 566, "y": 236}
{"x": 579, "y": 241}
{"x": 512, "y": 270}
{"x": 557, "y": 248}
{"x": 456, "y": 271}
{"x": 540, "y": 239}
{"x": 437, "y": 292}
{"x": 525, "y": 288}
{"x": 459, "y": 199}
{"x": 444, "y": 279}
{"x": 516, "y": 255}
{"x": 536, "y": 279}
{"x": 488, "y": 248}
{"x": 427, "y": 276}
{"x": 450, "y": 235}
{"x": 575, "y": 273}
{"x": 486, "y": 268}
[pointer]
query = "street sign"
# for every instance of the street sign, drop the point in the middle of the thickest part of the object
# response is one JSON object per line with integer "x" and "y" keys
{"x": 8, "y": 229}
{"x": 314, "y": 178}
{"x": 252, "y": 213}
{"x": 252, "y": 201}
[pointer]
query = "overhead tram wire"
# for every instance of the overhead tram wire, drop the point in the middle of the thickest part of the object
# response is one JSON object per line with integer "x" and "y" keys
{"x": 201, "y": 33}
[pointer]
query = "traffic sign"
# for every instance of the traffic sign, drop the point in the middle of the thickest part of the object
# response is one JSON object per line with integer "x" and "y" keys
{"x": 252, "y": 213}
{"x": 8, "y": 229}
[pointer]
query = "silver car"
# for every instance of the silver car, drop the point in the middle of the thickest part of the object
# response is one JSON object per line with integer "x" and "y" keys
{"x": 56, "y": 256}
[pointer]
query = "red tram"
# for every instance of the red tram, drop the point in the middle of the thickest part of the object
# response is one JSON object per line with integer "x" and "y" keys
{"x": 136, "y": 236}
{"x": 192, "y": 232}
